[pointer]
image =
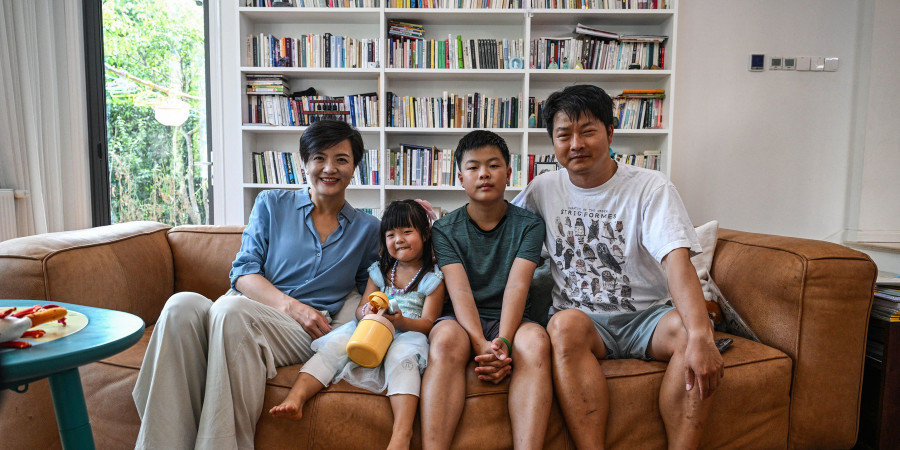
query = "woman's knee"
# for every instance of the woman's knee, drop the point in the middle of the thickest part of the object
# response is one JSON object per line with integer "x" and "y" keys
{"x": 569, "y": 328}
{"x": 185, "y": 308}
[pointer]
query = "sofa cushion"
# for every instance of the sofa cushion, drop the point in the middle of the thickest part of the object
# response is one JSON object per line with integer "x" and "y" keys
{"x": 202, "y": 256}
{"x": 752, "y": 404}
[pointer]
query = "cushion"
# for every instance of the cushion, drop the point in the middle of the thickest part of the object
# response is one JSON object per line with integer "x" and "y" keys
{"x": 731, "y": 322}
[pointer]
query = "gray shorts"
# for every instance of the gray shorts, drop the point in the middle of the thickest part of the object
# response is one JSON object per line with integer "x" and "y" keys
{"x": 627, "y": 335}
{"x": 490, "y": 327}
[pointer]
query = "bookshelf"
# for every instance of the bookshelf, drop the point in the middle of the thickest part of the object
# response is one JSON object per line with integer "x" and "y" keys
{"x": 521, "y": 25}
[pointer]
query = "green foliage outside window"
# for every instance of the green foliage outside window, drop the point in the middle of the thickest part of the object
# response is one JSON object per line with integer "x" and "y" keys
{"x": 151, "y": 47}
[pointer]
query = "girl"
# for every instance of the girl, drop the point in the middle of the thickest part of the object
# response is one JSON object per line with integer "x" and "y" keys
{"x": 406, "y": 271}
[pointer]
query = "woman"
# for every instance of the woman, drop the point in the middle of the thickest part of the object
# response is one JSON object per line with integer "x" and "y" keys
{"x": 203, "y": 378}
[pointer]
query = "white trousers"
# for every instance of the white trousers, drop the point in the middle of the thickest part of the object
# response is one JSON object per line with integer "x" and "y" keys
{"x": 202, "y": 383}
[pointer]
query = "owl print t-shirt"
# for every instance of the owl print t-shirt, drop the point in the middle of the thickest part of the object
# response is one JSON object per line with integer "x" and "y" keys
{"x": 607, "y": 242}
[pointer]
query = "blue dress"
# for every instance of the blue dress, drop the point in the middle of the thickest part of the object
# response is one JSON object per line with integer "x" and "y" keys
{"x": 333, "y": 346}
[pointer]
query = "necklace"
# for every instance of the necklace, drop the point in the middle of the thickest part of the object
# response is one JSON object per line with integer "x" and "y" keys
{"x": 394, "y": 272}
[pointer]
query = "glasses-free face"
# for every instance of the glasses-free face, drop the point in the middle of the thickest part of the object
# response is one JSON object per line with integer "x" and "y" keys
{"x": 484, "y": 174}
{"x": 405, "y": 244}
{"x": 331, "y": 170}
{"x": 582, "y": 145}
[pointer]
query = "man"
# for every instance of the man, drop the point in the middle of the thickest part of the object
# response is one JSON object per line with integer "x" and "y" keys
{"x": 621, "y": 242}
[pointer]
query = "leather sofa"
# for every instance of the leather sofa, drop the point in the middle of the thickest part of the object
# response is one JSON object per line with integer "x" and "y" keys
{"x": 808, "y": 301}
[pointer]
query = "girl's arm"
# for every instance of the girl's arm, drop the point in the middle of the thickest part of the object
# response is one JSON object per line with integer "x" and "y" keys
{"x": 431, "y": 309}
{"x": 361, "y": 310}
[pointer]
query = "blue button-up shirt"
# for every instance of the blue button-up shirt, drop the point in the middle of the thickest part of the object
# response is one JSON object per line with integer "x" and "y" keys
{"x": 282, "y": 244}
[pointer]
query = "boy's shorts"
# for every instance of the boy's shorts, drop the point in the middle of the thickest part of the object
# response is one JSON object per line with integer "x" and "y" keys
{"x": 627, "y": 335}
{"x": 490, "y": 327}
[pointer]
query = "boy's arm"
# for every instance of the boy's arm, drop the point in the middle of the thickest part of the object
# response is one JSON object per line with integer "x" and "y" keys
{"x": 494, "y": 366}
{"x": 464, "y": 305}
{"x": 703, "y": 363}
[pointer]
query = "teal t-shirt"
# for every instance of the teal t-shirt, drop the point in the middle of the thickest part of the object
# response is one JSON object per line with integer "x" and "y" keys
{"x": 487, "y": 256}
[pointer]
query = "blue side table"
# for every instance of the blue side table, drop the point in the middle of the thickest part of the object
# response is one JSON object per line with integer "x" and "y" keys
{"x": 107, "y": 333}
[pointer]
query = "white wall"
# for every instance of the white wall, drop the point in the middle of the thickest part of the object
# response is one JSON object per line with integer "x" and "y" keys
{"x": 773, "y": 151}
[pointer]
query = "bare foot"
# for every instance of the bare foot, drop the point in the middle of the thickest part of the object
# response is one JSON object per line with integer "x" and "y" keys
{"x": 288, "y": 409}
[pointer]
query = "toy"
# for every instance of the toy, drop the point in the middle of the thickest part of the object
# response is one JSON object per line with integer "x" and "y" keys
{"x": 15, "y": 325}
{"x": 374, "y": 333}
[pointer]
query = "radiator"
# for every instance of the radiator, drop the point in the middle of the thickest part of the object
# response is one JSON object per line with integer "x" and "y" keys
{"x": 8, "y": 227}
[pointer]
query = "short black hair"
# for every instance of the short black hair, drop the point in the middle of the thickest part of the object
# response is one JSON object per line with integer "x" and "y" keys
{"x": 324, "y": 134}
{"x": 477, "y": 139}
{"x": 577, "y": 100}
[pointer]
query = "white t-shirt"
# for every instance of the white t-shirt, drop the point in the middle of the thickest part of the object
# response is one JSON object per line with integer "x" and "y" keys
{"x": 607, "y": 242}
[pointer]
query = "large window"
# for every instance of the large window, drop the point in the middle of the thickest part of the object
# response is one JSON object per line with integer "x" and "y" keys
{"x": 154, "y": 97}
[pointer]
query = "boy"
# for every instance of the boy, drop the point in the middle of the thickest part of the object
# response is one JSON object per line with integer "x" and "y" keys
{"x": 488, "y": 251}
{"x": 621, "y": 241}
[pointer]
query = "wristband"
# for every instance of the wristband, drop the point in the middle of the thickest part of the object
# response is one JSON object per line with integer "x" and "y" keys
{"x": 508, "y": 345}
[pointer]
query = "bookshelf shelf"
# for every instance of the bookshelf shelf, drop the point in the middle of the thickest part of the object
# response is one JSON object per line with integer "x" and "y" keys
{"x": 526, "y": 25}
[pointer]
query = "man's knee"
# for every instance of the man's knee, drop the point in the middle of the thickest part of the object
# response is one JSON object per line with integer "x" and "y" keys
{"x": 669, "y": 337}
{"x": 570, "y": 329}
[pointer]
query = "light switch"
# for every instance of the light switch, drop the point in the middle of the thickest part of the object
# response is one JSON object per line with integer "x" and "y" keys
{"x": 831, "y": 64}
{"x": 817, "y": 64}
{"x": 803, "y": 63}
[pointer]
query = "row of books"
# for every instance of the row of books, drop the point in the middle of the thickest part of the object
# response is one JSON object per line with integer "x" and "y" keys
{"x": 453, "y": 111}
{"x": 419, "y": 165}
{"x": 648, "y": 159}
{"x": 271, "y": 167}
{"x": 456, "y": 53}
{"x": 639, "y": 109}
{"x": 886, "y": 304}
{"x": 594, "y": 53}
{"x": 456, "y": 4}
{"x": 359, "y": 110}
{"x": 601, "y": 4}
{"x": 311, "y": 50}
{"x": 312, "y": 3}
{"x": 468, "y": 4}
{"x": 422, "y": 165}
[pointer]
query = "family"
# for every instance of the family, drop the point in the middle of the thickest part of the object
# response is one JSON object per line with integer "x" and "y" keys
{"x": 619, "y": 240}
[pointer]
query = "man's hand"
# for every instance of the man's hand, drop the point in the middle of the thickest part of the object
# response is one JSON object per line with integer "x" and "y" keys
{"x": 491, "y": 367}
{"x": 703, "y": 366}
{"x": 312, "y": 320}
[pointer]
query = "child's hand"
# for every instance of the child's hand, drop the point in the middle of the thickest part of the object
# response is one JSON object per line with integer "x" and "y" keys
{"x": 396, "y": 319}
{"x": 491, "y": 367}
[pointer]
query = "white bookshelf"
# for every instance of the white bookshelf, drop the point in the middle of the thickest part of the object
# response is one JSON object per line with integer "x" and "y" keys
{"x": 242, "y": 139}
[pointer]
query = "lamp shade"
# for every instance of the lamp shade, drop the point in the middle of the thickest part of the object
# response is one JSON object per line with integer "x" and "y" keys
{"x": 171, "y": 112}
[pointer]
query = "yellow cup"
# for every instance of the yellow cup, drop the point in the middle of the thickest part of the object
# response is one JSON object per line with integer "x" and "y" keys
{"x": 370, "y": 341}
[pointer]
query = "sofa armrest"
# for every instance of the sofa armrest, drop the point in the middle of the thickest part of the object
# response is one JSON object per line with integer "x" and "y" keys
{"x": 126, "y": 267}
{"x": 811, "y": 300}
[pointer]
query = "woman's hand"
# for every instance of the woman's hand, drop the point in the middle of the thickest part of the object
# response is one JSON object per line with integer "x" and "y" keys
{"x": 312, "y": 320}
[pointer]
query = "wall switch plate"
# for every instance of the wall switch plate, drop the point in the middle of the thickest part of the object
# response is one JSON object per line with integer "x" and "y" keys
{"x": 803, "y": 63}
{"x": 817, "y": 64}
{"x": 789, "y": 63}
{"x": 831, "y": 64}
{"x": 757, "y": 62}
{"x": 775, "y": 62}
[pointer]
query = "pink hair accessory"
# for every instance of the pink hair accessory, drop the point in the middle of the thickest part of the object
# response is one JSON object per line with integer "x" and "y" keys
{"x": 429, "y": 210}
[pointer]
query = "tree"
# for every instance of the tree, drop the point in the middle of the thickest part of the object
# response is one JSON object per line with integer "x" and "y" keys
{"x": 154, "y": 48}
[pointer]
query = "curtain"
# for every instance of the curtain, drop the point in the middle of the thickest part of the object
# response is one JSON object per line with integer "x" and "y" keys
{"x": 43, "y": 114}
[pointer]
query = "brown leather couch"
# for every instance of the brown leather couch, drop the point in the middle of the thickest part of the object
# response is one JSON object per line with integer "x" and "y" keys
{"x": 808, "y": 301}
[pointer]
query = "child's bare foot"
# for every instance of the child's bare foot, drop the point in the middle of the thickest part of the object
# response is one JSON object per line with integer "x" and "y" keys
{"x": 288, "y": 409}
